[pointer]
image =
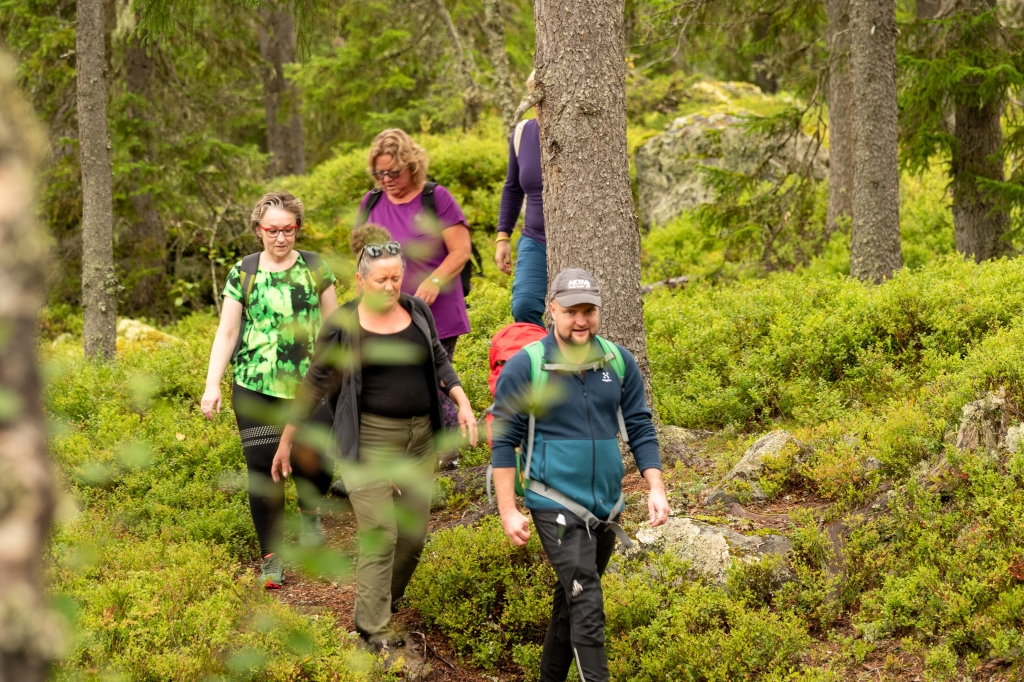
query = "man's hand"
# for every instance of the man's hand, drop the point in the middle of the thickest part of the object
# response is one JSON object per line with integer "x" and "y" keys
{"x": 657, "y": 503}
{"x": 503, "y": 256}
{"x": 517, "y": 526}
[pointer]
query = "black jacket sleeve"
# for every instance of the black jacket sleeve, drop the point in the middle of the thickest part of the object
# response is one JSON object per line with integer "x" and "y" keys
{"x": 333, "y": 358}
{"x": 446, "y": 376}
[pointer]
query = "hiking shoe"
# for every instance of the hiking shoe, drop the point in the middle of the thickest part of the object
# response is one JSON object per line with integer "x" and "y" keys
{"x": 386, "y": 642}
{"x": 272, "y": 572}
{"x": 311, "y": 534}
{"x": 338, "y": 489}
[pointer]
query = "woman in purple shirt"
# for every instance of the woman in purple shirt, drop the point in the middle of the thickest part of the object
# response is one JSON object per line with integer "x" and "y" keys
{"x": 524, "y": 181}
{"x": 436, "y": 251}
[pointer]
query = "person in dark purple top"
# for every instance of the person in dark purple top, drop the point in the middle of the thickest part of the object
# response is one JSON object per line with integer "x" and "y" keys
{"x": 524, "y": 181}
{"x": 435, "y": 252}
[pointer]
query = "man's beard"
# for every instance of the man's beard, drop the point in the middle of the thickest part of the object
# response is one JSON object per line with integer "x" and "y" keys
{"x": 572, "y": 342}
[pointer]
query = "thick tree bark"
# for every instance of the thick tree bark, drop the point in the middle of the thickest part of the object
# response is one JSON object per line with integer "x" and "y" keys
{"x": 980, "y": 224}
{"x": 840, "y": 116}
{"x": 99, "y": 281}
{"x": 471, "y": 98}
{"x": 494, "y": 27}
{"x": 29, "y": 635}
{"x": 286, "y": 142}
{"x": 875, "y": 252}
{"x": 588, "y": 206}
{"x": 927, "y": 9}
{"x": 147, "y": 238}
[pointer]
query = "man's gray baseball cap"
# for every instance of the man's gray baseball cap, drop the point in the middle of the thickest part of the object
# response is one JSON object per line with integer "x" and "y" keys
{"x": 573, "y": 286}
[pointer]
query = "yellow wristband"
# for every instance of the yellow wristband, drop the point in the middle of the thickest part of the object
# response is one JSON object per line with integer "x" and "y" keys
{"x": 502, "y": 239}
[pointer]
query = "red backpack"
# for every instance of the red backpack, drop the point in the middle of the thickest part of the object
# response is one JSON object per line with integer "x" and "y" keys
{"x": 504, "y": 344}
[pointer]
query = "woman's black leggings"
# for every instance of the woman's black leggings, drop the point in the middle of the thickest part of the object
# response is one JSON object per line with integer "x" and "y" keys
{"x": 261, "y": 419}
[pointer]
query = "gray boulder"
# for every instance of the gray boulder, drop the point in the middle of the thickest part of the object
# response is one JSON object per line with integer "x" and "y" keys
{"x": 744, "y": 482}
{"x": 711, "y": 550}
{"x": 668, "y": 166}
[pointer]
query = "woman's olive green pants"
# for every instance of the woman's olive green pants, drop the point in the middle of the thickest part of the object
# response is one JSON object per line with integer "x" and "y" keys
{"x": 389, "y": 489}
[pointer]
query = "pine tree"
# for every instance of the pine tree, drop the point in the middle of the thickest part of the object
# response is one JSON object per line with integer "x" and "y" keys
{"x": 957, "y": 71}
{"x": 30, "y": 637}
{"x": 286, "y": 141}
{"x": 875, "y": 251}
{"x": 588, "y": 205}
{"x": 99, "y": 281}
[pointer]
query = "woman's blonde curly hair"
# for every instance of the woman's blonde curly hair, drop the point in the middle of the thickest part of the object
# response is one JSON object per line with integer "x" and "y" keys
{"x": 397, "y": 144}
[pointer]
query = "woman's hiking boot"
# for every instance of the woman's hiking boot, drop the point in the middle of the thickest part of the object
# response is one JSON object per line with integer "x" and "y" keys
{"x": 385, "y": 642}
{"x": 272, "y": 572}
{"x": 311, "y": 534}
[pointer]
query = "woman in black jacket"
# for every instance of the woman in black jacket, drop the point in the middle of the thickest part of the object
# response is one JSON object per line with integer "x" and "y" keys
{"x": 380, "y": 362}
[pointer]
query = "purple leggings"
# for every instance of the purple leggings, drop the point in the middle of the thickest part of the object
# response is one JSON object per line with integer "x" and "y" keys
{"x": 449, "y": 411}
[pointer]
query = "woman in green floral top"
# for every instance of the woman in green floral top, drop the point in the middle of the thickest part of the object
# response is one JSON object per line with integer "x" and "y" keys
{"x": 287, "y": 301}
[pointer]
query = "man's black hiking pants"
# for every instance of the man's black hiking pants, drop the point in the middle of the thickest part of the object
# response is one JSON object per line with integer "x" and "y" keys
{"x": 577, "y": 611}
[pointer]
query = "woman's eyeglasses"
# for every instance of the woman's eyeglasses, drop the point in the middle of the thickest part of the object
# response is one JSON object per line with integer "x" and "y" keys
{"x": 390, "y": 175}
{"x": 272, "y": 232}
{"x": 378, "y": 250}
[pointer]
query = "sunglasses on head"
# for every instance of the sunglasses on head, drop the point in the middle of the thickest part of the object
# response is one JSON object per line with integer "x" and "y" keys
{"x": 378, "y": 250}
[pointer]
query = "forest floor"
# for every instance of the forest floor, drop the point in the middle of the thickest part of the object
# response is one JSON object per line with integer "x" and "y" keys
{"x": 428, "y": 657}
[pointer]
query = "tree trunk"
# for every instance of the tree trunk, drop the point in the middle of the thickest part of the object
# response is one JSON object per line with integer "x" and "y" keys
{"x": 875, "y": 252}
{"x": 588, "y": 206}
{"x": 840, "y": 116}
{"x": 928, "y": 9}
{"x": 99, "y": 281}
{"x": 471, "y": 99}
{"x": 763, "y": 77}
{"x": 285, "y": 139}
{"x": 147, "y": 238}
{"x": 30, "y": 637}
{"x": 980, "y": 224}
{"x": 494, "y": 27}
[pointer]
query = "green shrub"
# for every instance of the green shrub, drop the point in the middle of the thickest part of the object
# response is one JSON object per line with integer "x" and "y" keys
{"x": 160, "y": 610}
{"x": 703, "y": 635}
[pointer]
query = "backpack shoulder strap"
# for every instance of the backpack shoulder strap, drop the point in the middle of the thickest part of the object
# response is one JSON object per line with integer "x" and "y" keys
{"x": 616, "y": 361}
{"x": 538, "y": 375}
{"x": 250, "y": 265}
{"x": 538, "y": 379}
{"x": 429, "y": 202}
{"x": 517, "y": 137}
{"x": 371, "y": 201}
{"x": 619, "y": 365}
{"x": 315, "y": 264}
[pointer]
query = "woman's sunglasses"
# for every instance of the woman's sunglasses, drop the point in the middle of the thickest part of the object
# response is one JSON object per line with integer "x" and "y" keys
{"x": 378, "y": 250}
{"x": 390, "y": 175}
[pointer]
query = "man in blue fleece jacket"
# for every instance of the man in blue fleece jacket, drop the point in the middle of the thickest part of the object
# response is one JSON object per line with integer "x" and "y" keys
{"x": 575, "y": 491}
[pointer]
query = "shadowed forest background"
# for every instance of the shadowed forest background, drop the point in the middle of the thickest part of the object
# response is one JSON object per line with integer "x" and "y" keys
{"x": 892, "y": 385}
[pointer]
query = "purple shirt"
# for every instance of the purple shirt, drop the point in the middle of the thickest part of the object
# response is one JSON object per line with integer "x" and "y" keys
{"x": 523, "y": 179}
{"x": 425, "y": 250}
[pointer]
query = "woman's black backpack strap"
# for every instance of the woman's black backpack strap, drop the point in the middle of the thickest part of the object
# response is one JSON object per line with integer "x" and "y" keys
{"x": 250, "y": 264}
{"x": 316, "y": 267}
{"x": 371, "y": 201}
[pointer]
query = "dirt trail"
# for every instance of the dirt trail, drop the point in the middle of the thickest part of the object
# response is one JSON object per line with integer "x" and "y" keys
{"x": 426, "y": 653}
